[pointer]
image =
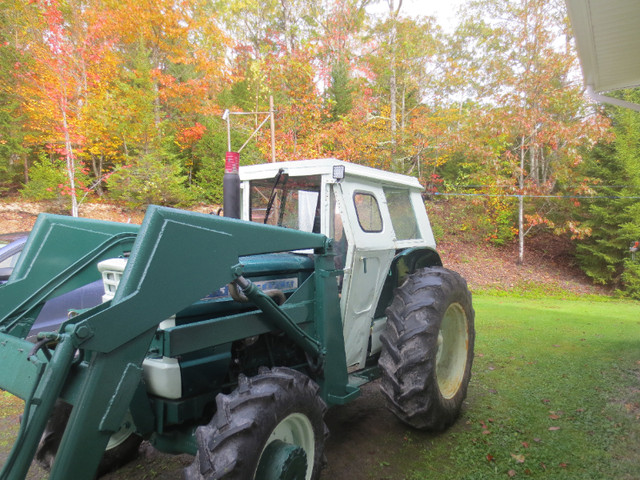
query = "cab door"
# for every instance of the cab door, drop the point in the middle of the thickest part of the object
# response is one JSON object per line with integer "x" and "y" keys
{"x": 370, "y": 236}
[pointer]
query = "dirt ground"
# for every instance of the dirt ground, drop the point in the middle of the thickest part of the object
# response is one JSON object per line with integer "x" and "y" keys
{"x": 363, "y": 432}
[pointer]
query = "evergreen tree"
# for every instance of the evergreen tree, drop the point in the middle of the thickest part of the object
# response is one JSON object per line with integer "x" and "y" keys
{"x": 341, "y": 91}
{"x": 614, "y": 216}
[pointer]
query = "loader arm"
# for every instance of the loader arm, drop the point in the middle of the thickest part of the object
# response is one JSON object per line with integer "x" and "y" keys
{"x": 178, "y": 257}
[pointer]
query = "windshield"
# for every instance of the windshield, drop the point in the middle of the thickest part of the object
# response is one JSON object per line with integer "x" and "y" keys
{"x": 291, "y": 202}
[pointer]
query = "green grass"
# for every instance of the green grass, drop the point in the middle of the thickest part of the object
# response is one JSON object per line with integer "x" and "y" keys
{"x": 555, "y": 394}
{"x": 535, "y": 290}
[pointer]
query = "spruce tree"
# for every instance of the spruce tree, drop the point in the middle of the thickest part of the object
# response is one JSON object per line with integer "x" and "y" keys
{"x": 614, "y": 215}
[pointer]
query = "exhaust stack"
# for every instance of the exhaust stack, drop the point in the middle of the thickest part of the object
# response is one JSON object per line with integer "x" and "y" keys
{"x": 231, "y": 185}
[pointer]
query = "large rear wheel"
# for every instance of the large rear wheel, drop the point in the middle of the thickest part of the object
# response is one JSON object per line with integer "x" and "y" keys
{"x": 428, "y": 348}
{"x": 271, "y": 427}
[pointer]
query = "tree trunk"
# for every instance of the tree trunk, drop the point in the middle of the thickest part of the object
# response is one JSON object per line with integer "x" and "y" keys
{"x": 520, "y": 229}
{"x": 521, "y": 205}
{"x": 70, "y": 164}
{"x": 96, "y": 165}
{"x": 25, "y": 159}
{"x": 393, "y": 82}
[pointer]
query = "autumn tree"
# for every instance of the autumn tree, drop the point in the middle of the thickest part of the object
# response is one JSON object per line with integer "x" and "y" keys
{"x": 57, "y": 81}
{"x": 401, "y": 56}
{"x": 339, "y": 38}
{"x": 274, "y": 55}
{"x": 172, "y": 72}
{"x": 525, "y": 76}
{"x": 68, "y": 65}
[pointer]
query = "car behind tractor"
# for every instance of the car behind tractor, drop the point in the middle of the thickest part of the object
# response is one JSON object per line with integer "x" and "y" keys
{"x": 229, "y": 338}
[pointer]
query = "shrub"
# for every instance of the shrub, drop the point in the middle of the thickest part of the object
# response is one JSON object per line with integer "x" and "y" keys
{"x": 46, "y": 180}
{"x": 149, "y": 181}
{"x": 209, "y": 182}
{"x": 631, "y": 278}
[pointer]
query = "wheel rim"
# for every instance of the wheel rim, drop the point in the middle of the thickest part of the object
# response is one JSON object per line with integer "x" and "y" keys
{"x": 453, "y": 344}
{"x": 126, "y": 430}
{"x": 289, "y": 451}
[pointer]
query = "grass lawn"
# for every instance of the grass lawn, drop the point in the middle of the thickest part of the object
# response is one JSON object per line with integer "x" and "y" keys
{"x": 555, "y": 394}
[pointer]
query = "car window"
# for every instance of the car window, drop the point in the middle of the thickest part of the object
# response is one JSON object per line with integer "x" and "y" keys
{"x": 10, "y": 262}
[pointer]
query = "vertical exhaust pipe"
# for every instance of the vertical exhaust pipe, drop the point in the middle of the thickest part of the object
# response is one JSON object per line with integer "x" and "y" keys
{"x": 231, "y": 185}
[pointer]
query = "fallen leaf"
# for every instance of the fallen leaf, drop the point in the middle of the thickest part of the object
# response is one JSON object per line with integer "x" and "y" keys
{"x": 486, "y": 432}
{"x": 525, "y": 444}
{"x": 553, "y": 416}
{"x": 553, "y": 429}
{"x": 511, "y": 473}
{"x": 518, "y": 458}
{"x": 537, "y": 440}
{"x": 490, "y": 458}
{"x": 545, "y": 400}
{"x": 563, "y": 465}
{"x": 544, "y": 467}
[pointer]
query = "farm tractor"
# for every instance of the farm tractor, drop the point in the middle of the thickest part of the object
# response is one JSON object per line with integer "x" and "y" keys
{"x": 228, "y": 338}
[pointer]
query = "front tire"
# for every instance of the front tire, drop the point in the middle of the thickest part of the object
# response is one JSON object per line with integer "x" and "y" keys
{"x": 121, "y": 449}
{"x": 270, "y": 427}
{"x": 428, "y": 349}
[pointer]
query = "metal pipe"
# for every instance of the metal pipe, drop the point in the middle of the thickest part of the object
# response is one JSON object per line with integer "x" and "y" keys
{"x": 279, "y": 317}
{"x": 231, "y": 186}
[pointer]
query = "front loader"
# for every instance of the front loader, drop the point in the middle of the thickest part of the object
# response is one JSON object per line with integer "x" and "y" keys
{"x": 228, "y": 338}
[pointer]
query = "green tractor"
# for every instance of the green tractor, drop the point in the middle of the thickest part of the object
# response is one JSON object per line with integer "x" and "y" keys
{"x": 228, "y": 338}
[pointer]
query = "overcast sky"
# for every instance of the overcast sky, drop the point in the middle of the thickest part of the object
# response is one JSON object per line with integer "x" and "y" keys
{"x": 443, "y": 10}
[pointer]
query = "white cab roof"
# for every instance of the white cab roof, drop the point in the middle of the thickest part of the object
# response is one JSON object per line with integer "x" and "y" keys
{"x": 324, "y": 166}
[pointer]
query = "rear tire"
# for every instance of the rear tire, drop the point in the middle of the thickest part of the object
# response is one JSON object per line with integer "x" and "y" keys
{"x": 270, "y": 427}
{"x": 428, "y": 349}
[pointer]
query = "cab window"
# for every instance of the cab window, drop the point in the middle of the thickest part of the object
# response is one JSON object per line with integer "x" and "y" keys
{"x": 403, "y": 218}
{"x": 287, "y": 202}
{"x": 368, "y": 212}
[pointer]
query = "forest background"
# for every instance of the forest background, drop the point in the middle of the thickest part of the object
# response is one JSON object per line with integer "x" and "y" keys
{"x": 122, "y": 101}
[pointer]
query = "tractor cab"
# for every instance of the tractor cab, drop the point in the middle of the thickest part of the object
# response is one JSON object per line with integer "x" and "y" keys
{"x": 375, "y": 219}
